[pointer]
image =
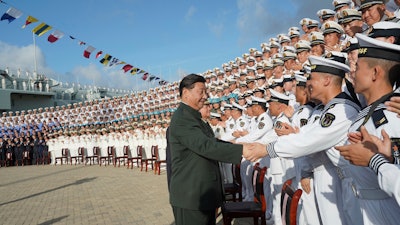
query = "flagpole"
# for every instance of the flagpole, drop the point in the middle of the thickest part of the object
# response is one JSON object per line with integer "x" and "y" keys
{"x": 34, "y": 53}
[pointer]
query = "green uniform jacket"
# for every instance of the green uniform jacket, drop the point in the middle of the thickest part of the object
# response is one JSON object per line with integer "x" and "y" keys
{"x": 195, "y": 152}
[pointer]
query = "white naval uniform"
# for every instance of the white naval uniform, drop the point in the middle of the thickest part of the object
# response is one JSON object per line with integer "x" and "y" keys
{"x": 388, "y": 178}
{"x": 377, "y": 206}
{"x": 307, "y": 209}
{"x": 331, "y": 131}
{"x": 262, "y": 125}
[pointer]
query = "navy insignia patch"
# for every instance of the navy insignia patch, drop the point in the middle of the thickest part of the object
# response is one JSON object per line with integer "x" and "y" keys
{"x": 231, "y": 126}
{"x": 261, "y": 125}
{"x": 303, "y": 122}
{"x": 241, "y": 124}
{"x": 379, "y": 118}
{"x": 327, "y": 120}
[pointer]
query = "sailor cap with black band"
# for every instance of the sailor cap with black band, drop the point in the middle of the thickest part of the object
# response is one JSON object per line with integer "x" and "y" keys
{"x": 325, "y": 14}
{"x": 214, "y": 115}
{"x": 258, "y": 101}
{"x": 385, "y": 29}
{"x": 302, "y": 45}
{"x": 340, "y": 3}
{"x": 373, "y": 48}
{"x": 287, "y": 78}
{"x": 276, "y": 83}
{"x": 323, "y": 65}
{"x": 351, "y": 44}
{"x": 301, "y": 80}
{"x": 287, "y": 55}
{"x": 258, "y": 89}
{"x": 227, "y": 106}
{"x": 304, "y": 21}
{"x": 348, "y": 15}
{"x": 336, "y": 56}
{"x": 312, "y": 23}
{"x": 236, "y": 106}
{"x": 368, "y": 3}
{"x": 293, "y": 34}
{"x": 316, "y": 38}
{"x": 330, "y": 27}
{"x": 278, "y": 97}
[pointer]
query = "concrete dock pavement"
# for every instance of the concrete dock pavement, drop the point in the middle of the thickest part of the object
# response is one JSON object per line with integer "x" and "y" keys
{"x": 70, "y": 194}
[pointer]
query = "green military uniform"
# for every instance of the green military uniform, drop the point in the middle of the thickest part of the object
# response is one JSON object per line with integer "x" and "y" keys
{"x": 195, "y": 152}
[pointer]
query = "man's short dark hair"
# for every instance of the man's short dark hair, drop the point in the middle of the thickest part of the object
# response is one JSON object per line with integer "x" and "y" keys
{"x": 189, "y": 81}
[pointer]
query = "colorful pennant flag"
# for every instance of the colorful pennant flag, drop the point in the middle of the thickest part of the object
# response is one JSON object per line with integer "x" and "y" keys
{"x": 152, "y": 78}
{"x": 55, "y": 36}
{"x": 115, "y": 61}
{"x": 41, "y": 29}
{"x": 88, "y": 51}
{"x": 134, "y": 71}
{"x": 99, "y": 54}
{"x": 127, "y": 67}
{"x": 11, "y": 15}
{"x": 105, "y": 59}
{"x": 145, "y": 76}
{"x": 29, "y": 20}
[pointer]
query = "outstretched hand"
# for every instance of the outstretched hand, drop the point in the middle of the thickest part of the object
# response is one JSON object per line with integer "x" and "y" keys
{"x": 254, "y": 151}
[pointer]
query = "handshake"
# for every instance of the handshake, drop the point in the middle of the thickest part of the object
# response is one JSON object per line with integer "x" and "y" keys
{"x": 254, "y": 151}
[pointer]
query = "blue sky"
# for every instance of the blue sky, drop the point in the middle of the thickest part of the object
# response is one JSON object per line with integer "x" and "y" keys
{"x": 168, "y": 39}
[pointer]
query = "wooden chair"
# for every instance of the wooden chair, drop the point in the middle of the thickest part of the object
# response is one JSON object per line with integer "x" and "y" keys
{"x": 25, "y": 157}
{"x": 234, "y": 188}
{"x": 255, "y": 209}
{"x": 80, "y": 157}
{"x": 108, "y": 156}
{"x": 289, "y": 202}
{"x": 139, "y": 153}
{"x": 96, "y": 155}
{"x": 158, "y": 162}
{"x": 64, "y": 155}
{"x": 124, "y": 157}
{"x": 150, "y": 159}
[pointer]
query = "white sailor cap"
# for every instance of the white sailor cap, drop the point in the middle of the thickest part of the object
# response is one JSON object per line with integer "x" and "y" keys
{"x": 266, "y": 49}
{"x": 289, "y": 55}
{"x": 274, "y": 44}
{"x": 242, "y": 84}
{"x": 288, "y": 48}
{"x": 336, "y": 56}
{"x": 373, "y": 48}
{"x": 276, "y": 83}
{"x": 293, "y": 29}
{"x": 301, "y": 80}
{"x": 227, "y": 106}
{"x": 312, "y": 23}
{"x": 258, "y": 101}
{"x": 293, "y": 34}
{"x": 316, "y": 38}
{"x": 278, "y": 97}
{"x": 251, "y": 50}
{"x": 330, "y": 27}
{"x": 263, "y": 45}
{"x": 250, "y": 79}
{"x": 260, "y": 76}
{"x": 304, "y": 21}
{"x": 277, "y": 56}
{"x": 348, "y": 15}
{"x": 368, "y": 3}
{"x": 268, "y": 65}
{"x": 323, "y": 65}
{"x": 385, "y": 29}
{"x": 351, "y": 44}
{"x": 214, "y": 115}
{"x": 251, "y": 59}
{"x": 283, "y": 39}
{"x": 236, "y": 106}
{"x": 302, "y": 45}
{"x": 287, "y": 78}
{"x": 277, "y": 62}
{"x": 259, "y": 65}
{"x": 325, "y": 13}
{"x": 340, "y": 3}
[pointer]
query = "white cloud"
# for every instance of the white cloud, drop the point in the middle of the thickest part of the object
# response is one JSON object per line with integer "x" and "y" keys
{"x": 216, "y": 28}
{"x": 191, "y": 11}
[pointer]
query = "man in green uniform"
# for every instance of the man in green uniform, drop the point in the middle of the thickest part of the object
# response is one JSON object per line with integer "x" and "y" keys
{"x": 196, "y": 188}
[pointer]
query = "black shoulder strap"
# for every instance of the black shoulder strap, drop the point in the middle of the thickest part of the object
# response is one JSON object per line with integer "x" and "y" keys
{"x": 350, "y": 88}
{"x": 373, "y": 107}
